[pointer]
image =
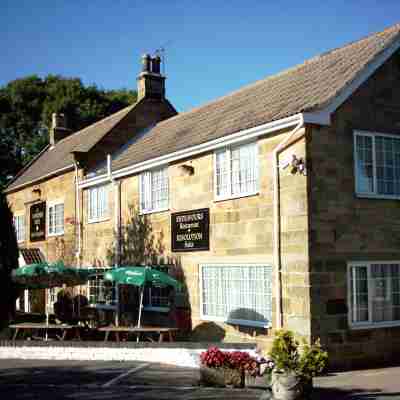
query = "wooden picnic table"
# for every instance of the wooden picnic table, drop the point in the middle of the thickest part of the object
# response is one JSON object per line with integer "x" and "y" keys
{"x": 26, "y": 326}
{"x": 161, "y": 330}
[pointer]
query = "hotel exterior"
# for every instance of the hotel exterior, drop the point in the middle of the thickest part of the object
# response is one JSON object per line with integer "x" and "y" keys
{"x": 276, "y": 204}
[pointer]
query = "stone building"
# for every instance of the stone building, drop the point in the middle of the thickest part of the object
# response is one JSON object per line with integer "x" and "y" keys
{"x": 276, "y": 204}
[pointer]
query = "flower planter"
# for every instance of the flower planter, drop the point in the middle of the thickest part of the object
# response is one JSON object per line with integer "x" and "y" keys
{"x": 221, "y": 377}
{"x": 289, "y": 386}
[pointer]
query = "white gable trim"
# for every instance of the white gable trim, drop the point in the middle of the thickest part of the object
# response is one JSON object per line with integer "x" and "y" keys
{"x": 362, "y": 77}
{"x": 237, "y": 137}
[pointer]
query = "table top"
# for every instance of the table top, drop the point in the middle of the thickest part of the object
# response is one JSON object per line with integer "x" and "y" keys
{"x": 136, "y": 329}
{"x": 41, "y": 325}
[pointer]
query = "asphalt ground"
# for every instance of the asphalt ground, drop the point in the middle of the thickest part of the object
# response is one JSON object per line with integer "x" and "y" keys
{"x": 51, "y": 379}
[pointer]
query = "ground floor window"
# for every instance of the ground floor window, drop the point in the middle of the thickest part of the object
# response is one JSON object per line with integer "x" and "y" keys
{"x": 238, "y": 294}
{"x": 157, "y": 298}
{"x": 101, "y": 292}
{"x": 374, "y": 293}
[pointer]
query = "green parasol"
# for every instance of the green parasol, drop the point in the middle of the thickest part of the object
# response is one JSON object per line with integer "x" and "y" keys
{"x": 45, "y": 276}
{"x": 140, "y": 276}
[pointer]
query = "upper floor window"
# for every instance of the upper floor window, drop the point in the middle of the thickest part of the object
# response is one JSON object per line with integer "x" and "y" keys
{"x": 374, "y": 294}
{"x": 55, "y": 212}
{"x": 98, "y": 203}
{"x": 19, "y": 226}
{"x": 377, "y": 164}
{"x": 154, "y": 192}
{"x": 236, "y": 171}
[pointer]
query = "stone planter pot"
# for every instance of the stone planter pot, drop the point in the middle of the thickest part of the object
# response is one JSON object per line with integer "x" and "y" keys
{"x": 290, "y": 386}
{"x": 221, "y": 377}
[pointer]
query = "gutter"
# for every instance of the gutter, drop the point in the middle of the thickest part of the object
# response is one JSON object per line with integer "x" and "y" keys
{"x": 277, "y": 221}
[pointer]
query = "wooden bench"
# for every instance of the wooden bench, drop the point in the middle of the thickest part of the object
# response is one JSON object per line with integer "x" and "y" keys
{"x": 29, "y": 326}
{"x": 162, "y": 331}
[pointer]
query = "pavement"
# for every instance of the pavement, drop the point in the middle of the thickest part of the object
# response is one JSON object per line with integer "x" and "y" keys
{"x": 87, "y": 380}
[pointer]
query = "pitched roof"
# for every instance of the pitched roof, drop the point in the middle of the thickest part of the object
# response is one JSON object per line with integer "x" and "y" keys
{"x": 306, "y": 87}
{"x": 59, "y": 157}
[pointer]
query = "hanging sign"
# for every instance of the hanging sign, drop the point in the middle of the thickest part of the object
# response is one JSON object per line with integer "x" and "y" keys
{"x": 190, "y": 230}
{"x": 38, "y": 222}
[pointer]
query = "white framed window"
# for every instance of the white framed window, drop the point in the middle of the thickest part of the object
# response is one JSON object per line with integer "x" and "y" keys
{"x": 98, "y": 209}
{"x": 377, "y": 165}
{"x": 374, "y": 294}
{"x": 154, "y": 190}
{"x": 236, "y": 171}
{"x": 52, "y": 298}
{"x": 101, "y": 293}
{"x": 19, "y": 226}
{"x": 157, "y": 298}
{"x": 55, "y": 218}
{"x": 237, "y": 294}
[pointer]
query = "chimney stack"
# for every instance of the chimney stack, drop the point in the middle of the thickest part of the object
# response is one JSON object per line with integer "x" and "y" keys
{"x": 151, "y": 84}
{"x": 58, "y": 129}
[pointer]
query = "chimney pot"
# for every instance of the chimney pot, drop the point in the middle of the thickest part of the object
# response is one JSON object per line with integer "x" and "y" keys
{"x": 146, "y": 60}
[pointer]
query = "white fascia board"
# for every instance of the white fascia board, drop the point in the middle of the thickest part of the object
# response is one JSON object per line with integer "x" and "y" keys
{"x": 49, "y": 175}
{"x": 237, "y": 137}
{"x": 364, "y": 75}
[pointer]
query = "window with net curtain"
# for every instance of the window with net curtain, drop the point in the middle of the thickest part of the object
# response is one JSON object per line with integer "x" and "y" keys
{"x": 377, "y": 164}
{"x": 154, "y": 190}
{"x": 98, "y": 203}
{"x": 236, "y": 171}
{"x": 55, "y": 219}
{"x": 374, "y": 293}
{"x": 238, "y": 294}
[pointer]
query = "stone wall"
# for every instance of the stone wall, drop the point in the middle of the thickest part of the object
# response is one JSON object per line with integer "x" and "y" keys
{"x": 347, "y": 228}
{"x": 241, "y": 231}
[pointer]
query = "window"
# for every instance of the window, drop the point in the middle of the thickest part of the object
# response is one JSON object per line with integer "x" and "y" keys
{"x": 52, "y": 298}
{"x": 236, "y": 171}
{"x": 19, "y": 226}
{"x": 98, "y": 203}
{"x": 157, "y": 298}
{"x": 374, "y": 294}
{"x": 238, "y": 294}
{"x": 154, "y": 190}
{"x": 99, "y": 291}
{"x": 55, "y": 219}
{"x": 377, "y": 164}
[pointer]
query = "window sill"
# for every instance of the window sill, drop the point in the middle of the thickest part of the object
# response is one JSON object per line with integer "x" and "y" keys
{"x": 238, "y": 196}
{"x": 156, "y": 309}
{"x": 386, "y": 324}
{"x": 55, "y": 234}
{"x": 376, "y": 196}
{"x": 94, "y": 221}
{"x": 255, "y": 324}
{"x": 143, "y": 212}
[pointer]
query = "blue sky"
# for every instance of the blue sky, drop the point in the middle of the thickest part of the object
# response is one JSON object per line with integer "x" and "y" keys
{"x": 212, "y": 47}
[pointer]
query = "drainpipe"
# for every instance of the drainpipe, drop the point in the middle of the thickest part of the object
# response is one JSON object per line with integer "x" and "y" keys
{"x": 78, "y": 217}
{"x": 277, "y": 221}
{"x": 117, "y": 220}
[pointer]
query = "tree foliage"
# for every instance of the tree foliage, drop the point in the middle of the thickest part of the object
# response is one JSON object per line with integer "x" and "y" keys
{"x": 26, "y": 106}
{"x": 8, "y": 261}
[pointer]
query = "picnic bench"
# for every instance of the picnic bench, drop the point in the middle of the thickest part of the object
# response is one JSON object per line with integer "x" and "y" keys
{"x": 162, "y": 331}
{"x": 29, "y": 326}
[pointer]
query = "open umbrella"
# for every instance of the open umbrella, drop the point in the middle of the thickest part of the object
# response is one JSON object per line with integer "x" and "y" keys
{"x": 45, "y": 275}
{"x": 140, "y": 276}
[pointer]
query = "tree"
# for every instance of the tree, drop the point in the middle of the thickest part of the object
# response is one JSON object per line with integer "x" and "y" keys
{"x": 8, "y": 262}
{"x": 26, "y": 106}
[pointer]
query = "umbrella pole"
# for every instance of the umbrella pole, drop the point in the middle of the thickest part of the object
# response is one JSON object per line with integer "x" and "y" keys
{"x": 117, "y": 304}
{"x": 140, "y": 306}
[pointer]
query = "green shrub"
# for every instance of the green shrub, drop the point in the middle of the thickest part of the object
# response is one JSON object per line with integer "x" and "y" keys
{"x": 306, "y": 360}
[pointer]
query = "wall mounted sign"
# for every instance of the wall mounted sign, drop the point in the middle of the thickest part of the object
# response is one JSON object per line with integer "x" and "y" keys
{"x": 38, "y": 222}
{"x": 190, "y": 230}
